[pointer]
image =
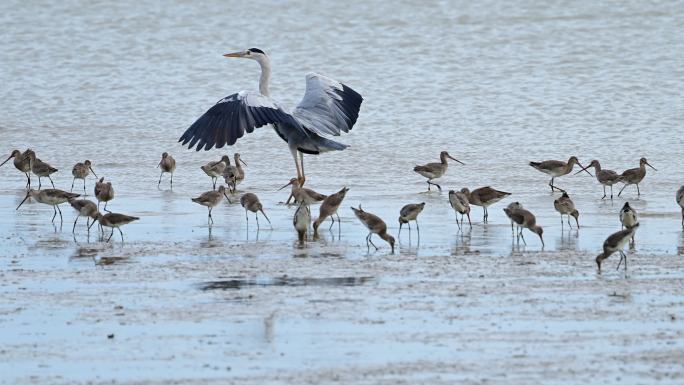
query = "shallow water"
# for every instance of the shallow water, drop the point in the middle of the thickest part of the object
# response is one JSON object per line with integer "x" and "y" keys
{"x": 496, "y": 84}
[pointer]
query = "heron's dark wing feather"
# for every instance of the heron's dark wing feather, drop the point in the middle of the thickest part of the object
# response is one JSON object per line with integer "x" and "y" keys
{"x": 231, "y": 117}
{"x": 328, "y": 106}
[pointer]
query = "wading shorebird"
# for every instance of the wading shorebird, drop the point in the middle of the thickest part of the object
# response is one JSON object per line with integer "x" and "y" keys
{"x": 375, "y": 225}
{"x": 680, "y": 201}
{"x": 459, "y": 202}
{"x": 616, "y": 242}
{"x": 104, "y": 192}
{"x": 210, "y": 199}
{"x": 410, "y": 213}
{"x": 327, "y": 109}
{"x": 485, "y": 197}
{"x": 81, "y": 171}
{"x": 115, "y": 221}
{"x": 215, "y": 169}
{"x": 525, "y": 220}
{"x": 234, "y": 175}
{"x": 329, "y": 209}
{"x": 40, "y": 168}
{"x": 556, "y": 168}
{"x": 167, "y": 164}
{"x": 302, "y": 194}
{"x": 251, "y": 203}
{"x": 21, "y": 163}
{"x": 435, "y": 170}
{"x": 301, "y": 221}
{"x": 604, "y": 177}
{"x": 635, "y": 175}
{"x": 52, "y": 197}
{"x": 512, "y": 206}
{"x": 565, "y": 206}
{"x": 628, "y": 217}
{"x": 86, "y": 208}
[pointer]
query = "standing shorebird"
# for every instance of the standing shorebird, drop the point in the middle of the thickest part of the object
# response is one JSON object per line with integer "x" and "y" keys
{"x": 210, "y": 199}
{"x": 604, "y": 177}
{"x": 565, "y": 206}
{"x": 512, "y": 206}
{"x": 628, "y": 217}
{"x": 635, "y": 175}
{"x": 115, "y": 221}
{"x": 22, "y": 163}
{"x": 234, "y": 175}
{"x": 52, "y": 197}
{"x": 459, "y": 202}
{"x": 435, "y": 170}
{"x": 485, "y": 197}
{"x": 302, "y": 194}
{"x": 375, "y": 225}
{"x": 680, "y": 201}
{"x": 215, "y": 169}
{"x": 251, "y": 203}
{"x": 556, "y": 168}
{"x": 167, "y": 164}
{"x": 85, "y": 208}
{"x": 525, "y": 220}
{"x": 410, "y": 213}
{"x": 104, "y": 192}
{"x": 301, "y": 221}
{"x": 329, "y": 209}
{"x": 616, "y": 242}
{"x": 81, "y": 171}
{"x": 40, "y": 168}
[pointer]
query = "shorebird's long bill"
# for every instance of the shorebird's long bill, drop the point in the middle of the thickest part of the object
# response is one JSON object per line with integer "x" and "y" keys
{"x": 93, "y": 171}
{"x": 262, "y": 211}
{"x": 6, "y": 160}
{"x": 648, "y": 164}
{"x": 542, "y": 241}
{"x": 228, "y": 199}
{"x": 234, "y": 54}
{"x": 452, "y": 158}
{"x": 583, "y": 169}
{"x": 288, "y": 183}
{"x": 243, "y": 162}
{"x": 25, "y": 198}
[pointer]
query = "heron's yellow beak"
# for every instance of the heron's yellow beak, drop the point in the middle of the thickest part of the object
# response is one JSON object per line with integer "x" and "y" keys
{"x": 234, "y": 54}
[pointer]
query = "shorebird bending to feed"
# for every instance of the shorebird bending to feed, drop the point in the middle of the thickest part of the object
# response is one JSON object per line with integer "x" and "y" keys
{"x": 251, "y": 203}
{"x": 104, "y": 192}
{"x": 525, "y": 220}
{"x": 375, "y": 225}
{"x": 52, "y": 197}
{"x": 459, "y": 202}
{"x": 512, "y": 206}
{"x": 435, "y": 170}
{"x": 556, "y": 168}
{"x": 680, "y": 201}
{"x": 329, "y": 209}
{"x": 635, "y": 175}
{"x": 40, "y": 168}
{"x": 302, "y": 194}
{"x": 215, "y": 169}
{"x": 565, "y": 206}
{"x": 410, "y": 213}
{"x": 233, "y": 175}
{"x": 86, "y": 208}
{"x": 81, "y": 171}
{"x": 604, "y": 177}
{"x": 628, "y": 217}
{"x": 167, "y": 164}
{"x": 616, "y": 242}
{"x": 22, "y": 163}
{"x": 301, "y": 221}
{"x": 210, "y": 199}
{"x": 485, "y": 197}
{"x": 115, "y": 220}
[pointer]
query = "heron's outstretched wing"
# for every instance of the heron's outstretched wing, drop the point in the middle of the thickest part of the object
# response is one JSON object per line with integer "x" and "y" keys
{"x": 328, "y": 106}
{"x": 231, "y": 117}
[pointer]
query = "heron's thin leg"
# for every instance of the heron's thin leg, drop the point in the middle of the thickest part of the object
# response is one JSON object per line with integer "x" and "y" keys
{"x": 623, "y": 187}
{"x": 73, "y": 231}
{"x": 72, "y": 184}
{"x": 301, "y": 160}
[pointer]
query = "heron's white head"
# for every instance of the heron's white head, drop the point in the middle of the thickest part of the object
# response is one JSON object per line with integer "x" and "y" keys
{"x": 250, "y": 53}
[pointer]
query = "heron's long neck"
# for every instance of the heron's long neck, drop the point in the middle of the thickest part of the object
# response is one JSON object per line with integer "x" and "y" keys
{"x": 265, "y": 64}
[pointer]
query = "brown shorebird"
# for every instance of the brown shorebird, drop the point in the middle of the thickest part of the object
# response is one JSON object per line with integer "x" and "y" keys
{"x": 251, "y": 203}
{"x": 52, "y": 197}
{"x": 628, "y": 217}
{"x": 616, "y": 242}
{"x": 215, "y": 169}
{"x": 81, "y": 171}
{"x": 167, "y": 164}
{"x": 680, "y": 201}
{"x": 556, "y": 168}
{"x": 605, "y": 177}
{"x": 459, "y": 202}
{"x": 485, "y": 197}
{"x": 39, "y": 168}
{"x": 115, "y": 220}
{"x": 234, "y": 175}
{"x": 435, "y": 170}
{"x": 302, "y": 194}
{"x": 104, "y": 192}
{"x": 375, "y": 225}
{"x": 525, "y": 220}
{"x": 410, "y": 213}
{"x": 301, "y": 221}
{"x": 329, "y": 209}
{"x": 22, "y": 163}
{"x": 635, "y": 175}
{"x": 211, "y": 199}
{"x": 565, "y": 206}
{"x": 85, "y": 208}
{"x": 512, "y": 206}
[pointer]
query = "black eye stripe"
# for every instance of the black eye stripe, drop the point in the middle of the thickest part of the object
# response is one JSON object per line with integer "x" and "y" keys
{"x": 257, "y": 50}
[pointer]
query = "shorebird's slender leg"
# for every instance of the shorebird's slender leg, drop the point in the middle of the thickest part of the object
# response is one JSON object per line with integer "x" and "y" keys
{"x": 428, "y": 182}
{"x": 160, "y": 175}
{"x": 332, "y": 217}
{"x": 367, "y": 239}
{"x": 53, "y": 183}
{"x": 400, "y": 226}
{"x": 214, "y": 180}
{"x": 569, "y": 224}
{"x": 171, "y": 180}
{"x": 55, "y": 214}
{"x": 521, "y": 236}
{"x": 74, "y": 229}
{"x": 84, "y": 189}
{"x": 72, "y": 184}
{"x": 611, "y": 191}
{"x": 623, "y": 187}
{"x": 486, "y": 214}
{"x": 91, "y": 225}
{"x": 434, "y": 184}
{"x": 209, "y": 218}
{"x": 456, "y": 215}
{"x": 339, "y": 224}
{"x": 28, "y": 180}
{"x": 371, "y": 241}
{"x": 105, "y": 207}
{"x": 110, "y": 235}
{"x": 61, "y": 220}
{"x": 638, "y": 192}
{"x": 256, "y": 215}
{"x": 469, "y": 223}
{"x": 551, "y": 184}
{"x": 39, "y": 184}
{"x": 417, "y": 228}
{"x": 120, "y": 232}
{"x": 622, "y": 256}
{"x": 562, "y": 222}
{"x": 604, "y": 192}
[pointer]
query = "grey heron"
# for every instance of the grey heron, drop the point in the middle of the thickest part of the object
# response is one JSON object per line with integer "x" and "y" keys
{"x": 327, "y": 108}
